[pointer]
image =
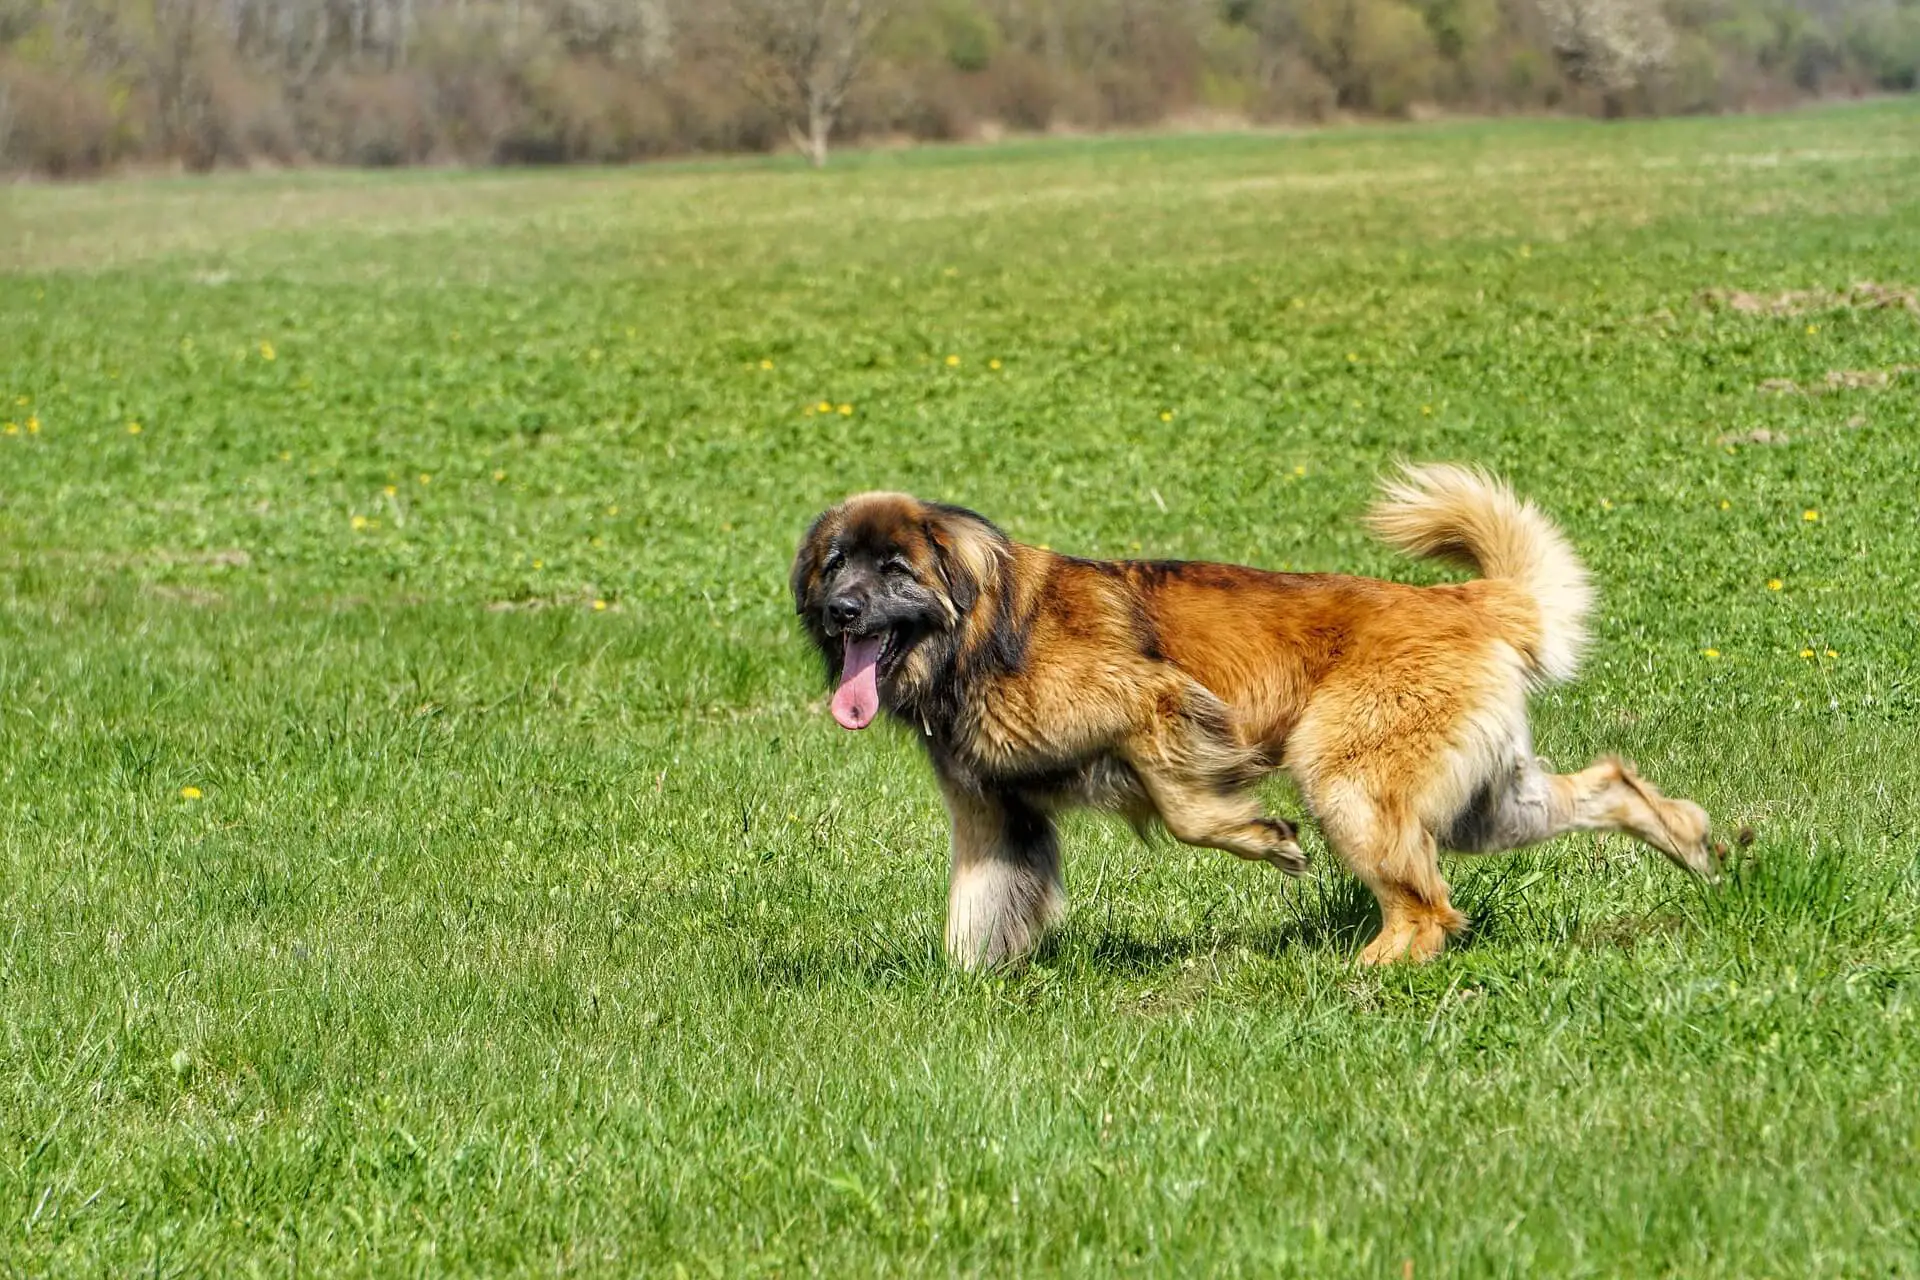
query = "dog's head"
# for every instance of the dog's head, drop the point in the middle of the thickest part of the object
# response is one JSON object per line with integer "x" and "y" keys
{"x": 885, "y": 583}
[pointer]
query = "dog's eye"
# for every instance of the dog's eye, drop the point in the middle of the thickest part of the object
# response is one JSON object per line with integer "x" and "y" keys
{"x": 834, "y": 561}
{"x": 896, "y": 567}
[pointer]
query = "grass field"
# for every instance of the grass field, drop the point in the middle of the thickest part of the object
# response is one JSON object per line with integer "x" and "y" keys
{"x": 423, "y": 848}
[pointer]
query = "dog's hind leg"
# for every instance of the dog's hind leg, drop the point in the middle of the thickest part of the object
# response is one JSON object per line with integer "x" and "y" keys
{"x": 1004, "y": 888}
{"x": 1396, "y": 857}
{"x": 1531, "y": 805}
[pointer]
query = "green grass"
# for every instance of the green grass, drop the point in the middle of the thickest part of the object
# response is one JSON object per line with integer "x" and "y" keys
{"x": 512, "y": 935}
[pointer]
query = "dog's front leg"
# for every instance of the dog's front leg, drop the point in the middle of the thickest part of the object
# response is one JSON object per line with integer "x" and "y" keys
{"x": 1004, "y": 888}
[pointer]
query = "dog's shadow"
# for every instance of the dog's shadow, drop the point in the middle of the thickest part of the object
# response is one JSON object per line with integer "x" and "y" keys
{"x": 1330, "y": 917}
{"x": 1333, "y": 917}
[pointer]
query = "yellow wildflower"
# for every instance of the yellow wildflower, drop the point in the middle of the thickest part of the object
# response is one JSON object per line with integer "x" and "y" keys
{"x": 1352, "y": 358}
{"x": 952, "y": 361}
{"x": 11, "y": 429}
{"x": 133, "y": 428}
{"x": 1813, "y": 328}
{"x": 1774, "y": 584}
{"x": 266, "y": 350}
{"x": 425, "y": 478}
{"x": 539, "y": 564}
{"x": 1426, "y": 410}
{"x": 189, "y": 793}
{"x": 1832, "y": 653}
{"x": 846, "y": 411}
{"x": 1725, "y": 505}
{"x": 391, "y": 490}
{"x": 1299, "y": 471}
{"x": 1806, "y": 653}
{"x": 33, "y": 426}
{"x": 499, "y": 476}
{"x": 766, "y": 364}
{"x": 1167, "y": 416}
{"x": 599, "y": 606}
{"x": 1709, "y": 653}
{"x": 358, "y": 521}
{"x": 1606, "y": 504}
{"x": 613, "y": 511}
{"x": 825, "y": 406}
{"x": 1809, "y": 515}
{"x": 993, "y": 364}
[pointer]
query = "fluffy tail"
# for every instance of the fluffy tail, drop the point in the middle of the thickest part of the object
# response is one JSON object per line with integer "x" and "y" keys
{"x": 1462, "y": 514}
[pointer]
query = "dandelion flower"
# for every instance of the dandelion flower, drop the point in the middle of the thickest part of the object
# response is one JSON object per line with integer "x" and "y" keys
{"x": 1813, "y": 328}
{"x": 189, "y": 793}
{"x": 391, "y": 490}
{"x": 846, "y": 411}
{"x": 425, "y": 478}
{"x": 358, "y": 521}
{"x": 1606, "y": 504}
{"x": 133, "y": 428}
{"x": 286, "y": 455}
{"x": 993, "y": 364}
{"x": 1806, "y": 653}
{"x": 1774, "y": 584}
{"x": 1352, "y": 358}
{"x": 1426, "y": 410}
{"x": 11, "y": 429}
{"x": 599, "y": 606}
{"x": 539, "y": 564}
{"x": 1810, "y": 515}
{"x": 499, "y": 476}
{"x": 825, "y": 406}
{"x": 33, "y": 426}
{"x": 266, "y": 351}
{"x": 766, "y": 364}
{"x": 1167, "y": 416}
{"x": 1832, "y": 653}
{"x": 613, "y": 511}
{"x": 1299, "y": 471}
{"x": 1725, "y": 505}
{"x": 1709, "y": 653}
{"x": 952, "y": 361}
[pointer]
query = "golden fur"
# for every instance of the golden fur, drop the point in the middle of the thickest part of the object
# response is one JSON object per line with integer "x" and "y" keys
{"x": 1164, "y": 690}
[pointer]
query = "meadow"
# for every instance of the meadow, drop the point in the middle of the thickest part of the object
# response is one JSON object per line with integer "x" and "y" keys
{"x": 423, "y": 848}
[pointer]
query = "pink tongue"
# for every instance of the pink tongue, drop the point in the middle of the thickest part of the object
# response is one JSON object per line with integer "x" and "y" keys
{"x": 857, "y": 701}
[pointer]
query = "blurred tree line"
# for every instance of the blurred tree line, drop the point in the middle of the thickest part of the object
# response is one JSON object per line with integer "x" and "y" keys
{"x": 87, "y": 84}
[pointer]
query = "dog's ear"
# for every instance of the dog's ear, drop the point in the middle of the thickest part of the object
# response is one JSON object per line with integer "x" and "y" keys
{"x": 968, "y": 551}
{"x": 806, "y": 562}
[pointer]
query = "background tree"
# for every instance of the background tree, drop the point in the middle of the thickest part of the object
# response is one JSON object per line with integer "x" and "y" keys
{"x": 1610, "y": 45}
{"x": 87, "y": 84}
{"x": 801, "y": 57}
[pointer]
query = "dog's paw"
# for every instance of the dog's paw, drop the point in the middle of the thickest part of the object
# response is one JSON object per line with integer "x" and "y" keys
{"x": 1282, "y": 850}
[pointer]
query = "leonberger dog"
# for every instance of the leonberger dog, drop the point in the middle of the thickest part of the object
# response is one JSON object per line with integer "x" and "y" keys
{"x": 1164, "y": 690}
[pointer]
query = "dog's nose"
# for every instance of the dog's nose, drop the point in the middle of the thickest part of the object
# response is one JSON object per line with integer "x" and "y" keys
{"x": 844, "y": 611}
